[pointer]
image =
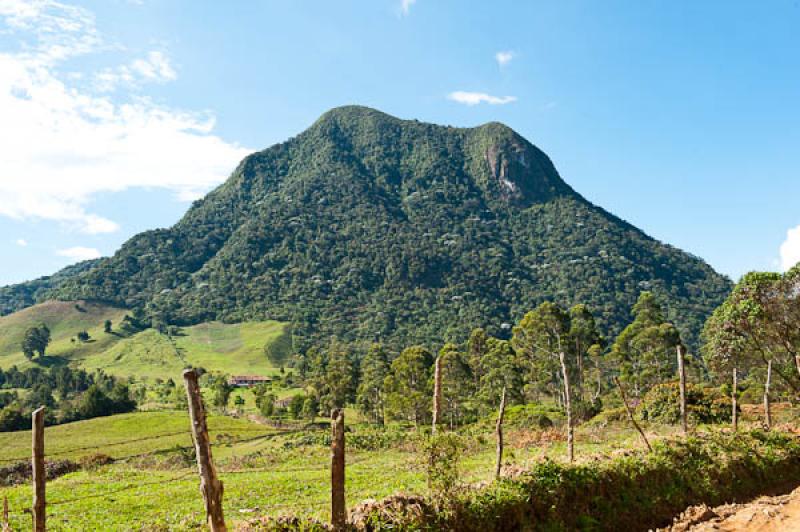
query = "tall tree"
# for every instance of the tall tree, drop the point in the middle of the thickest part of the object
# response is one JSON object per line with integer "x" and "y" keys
{"x": 370, "y": 396}
{"x": 408, "y": 385}
{"x": 457, "y": 385}
{"x": 644, "y": 351}
{"x": 500, "y": 370}
{"x": 542, "y": 337}
{"x": 583, "y": 335}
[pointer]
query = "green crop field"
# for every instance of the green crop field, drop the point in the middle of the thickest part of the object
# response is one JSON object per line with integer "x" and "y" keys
{"x": 229, "y": 348}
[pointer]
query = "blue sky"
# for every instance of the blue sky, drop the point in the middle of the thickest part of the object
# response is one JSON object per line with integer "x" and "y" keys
{"x": 681, "y": 117}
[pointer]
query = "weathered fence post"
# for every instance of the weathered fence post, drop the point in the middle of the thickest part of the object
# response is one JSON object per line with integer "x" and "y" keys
{"x": 568, "y": 408}
{"x": 734, "y": 414}
{"x": 210, "y": 485}
{"x": 338, "y": 508}
{"x": 767, "y": 412}
{"x": 6, "y": 526}
{"x": 630, "y": 414}
{"x": 499, "y": 432}
{"x": 437, "y": 393}
{"x": 682, "y": 376}
{"x": 39, "y": 473}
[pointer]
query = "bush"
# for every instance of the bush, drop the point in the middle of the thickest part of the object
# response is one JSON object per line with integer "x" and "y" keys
{"x": 704, "y": 405}
{"x": 532, "y": 416}
{"x": 441, "y": 455}
{"x": 639, "y": 491}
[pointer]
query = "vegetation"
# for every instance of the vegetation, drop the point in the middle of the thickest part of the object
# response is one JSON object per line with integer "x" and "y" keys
{"x": 396, "y": 231}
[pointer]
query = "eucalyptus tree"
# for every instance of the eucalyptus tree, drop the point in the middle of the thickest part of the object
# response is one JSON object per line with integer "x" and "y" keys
{"x": 644, "y": 351}
{"x": 543, "y": 339}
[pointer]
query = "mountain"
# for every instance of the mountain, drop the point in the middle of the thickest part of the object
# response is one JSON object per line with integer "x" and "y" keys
{"x": 368, "y": 227}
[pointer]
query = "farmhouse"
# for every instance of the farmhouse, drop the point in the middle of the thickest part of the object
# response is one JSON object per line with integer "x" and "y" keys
{"x": 246, "y": 381}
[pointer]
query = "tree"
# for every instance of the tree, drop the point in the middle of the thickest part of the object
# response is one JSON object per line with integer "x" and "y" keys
{"x": 222, "y": 392}
{"x": 107, "y": 327}
{"x": 83, "y": 336}
{"x": 339, "y": 377}
{"x": 457, "y": 385}
{"x": 585, "y": 336}
{"x": 542, "y": 336}
{"x": 370, "y": 396}
{"x": 36, "y": 340}
{"x": 756, "y": 328}
{"x": 477, "y": 345}
{"x": 500, "y": 370}
{"x": 408, "y": 385}
{"x": 644, "y": 351}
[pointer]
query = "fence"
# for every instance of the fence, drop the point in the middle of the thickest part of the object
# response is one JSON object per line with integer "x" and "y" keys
{"x": 211, "y": 487}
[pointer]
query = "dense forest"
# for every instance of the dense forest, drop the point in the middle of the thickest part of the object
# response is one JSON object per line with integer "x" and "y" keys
{"x": 370, "y": 228}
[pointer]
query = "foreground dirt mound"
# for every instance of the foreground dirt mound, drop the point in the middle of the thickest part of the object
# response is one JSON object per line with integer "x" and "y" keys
{"x": 765, "y": 514}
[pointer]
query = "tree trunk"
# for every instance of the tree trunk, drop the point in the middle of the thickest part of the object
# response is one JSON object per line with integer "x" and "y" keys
{"x": 767, "y": 412}
{"x": 568, "y": 408}
{"x": 630, "y": 414}
{"x": 499, "y": 433}
{"x": 734, "y": 414}
{"x": 682, "y": 376}
{"x": 437, "y": 393}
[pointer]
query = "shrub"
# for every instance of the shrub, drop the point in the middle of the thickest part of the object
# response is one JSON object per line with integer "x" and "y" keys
{"x": 532, "y": 416}
{"x": 704, "y": 405}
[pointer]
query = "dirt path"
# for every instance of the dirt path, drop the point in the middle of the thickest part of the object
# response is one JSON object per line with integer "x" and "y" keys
{"x": 765, "y": 514}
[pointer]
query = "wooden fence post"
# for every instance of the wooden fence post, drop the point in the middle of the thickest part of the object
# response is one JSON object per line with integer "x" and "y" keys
{"x": 210, "y": 485}
{"x": 682, "y": 376}
{"x": 6, "y": 526}
{"x": 767, "y": 412}
{"x": 437, "y": 393}
{"x": 499, "y": 433}
{"x": 39, "y": 473}
{"x": 338, "y": 508}
{"x": 630, "y": 414}
{"x": 734, "y": 414}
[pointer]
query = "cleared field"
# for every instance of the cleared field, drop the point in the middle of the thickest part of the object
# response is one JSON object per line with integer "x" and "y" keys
{"x": 65, "y": 319}
{"x": 268, "y": 475}
{"x": 230, "y": 348}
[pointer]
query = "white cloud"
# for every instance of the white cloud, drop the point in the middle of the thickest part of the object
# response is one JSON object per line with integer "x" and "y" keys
{"x": 155, "y": 68}
{"x": 474, "y": 98}
{"x": 63, "y": 144}
{"x": 405, "y": 6}
{"x": 79, "y": 253}
{"x": 790, "y": 249}
{"x": 504, "y": 58}
{"x": 22, "y": 242}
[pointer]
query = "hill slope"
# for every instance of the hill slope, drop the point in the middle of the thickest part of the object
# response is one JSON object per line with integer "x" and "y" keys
{"x": 231, "y": 348}
{"x": 370, "y": 227}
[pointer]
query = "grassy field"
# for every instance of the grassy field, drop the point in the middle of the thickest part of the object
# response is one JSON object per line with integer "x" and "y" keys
{"x": 228, "y": 348}
{"x": 265, "y": 472}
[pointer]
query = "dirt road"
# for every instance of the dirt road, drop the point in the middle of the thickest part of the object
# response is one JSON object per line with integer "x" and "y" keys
{"x": 765, "y": 514}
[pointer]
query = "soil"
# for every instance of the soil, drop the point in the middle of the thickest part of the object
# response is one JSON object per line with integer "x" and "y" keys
{"x": 779, "y": 513}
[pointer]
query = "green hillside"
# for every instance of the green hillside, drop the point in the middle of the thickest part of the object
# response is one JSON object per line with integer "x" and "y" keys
{"x": 369, "y": 227}
{"x": 230, "y": 348}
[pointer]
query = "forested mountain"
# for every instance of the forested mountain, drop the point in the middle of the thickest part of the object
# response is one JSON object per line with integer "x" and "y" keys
{"x": 368, "y": 227}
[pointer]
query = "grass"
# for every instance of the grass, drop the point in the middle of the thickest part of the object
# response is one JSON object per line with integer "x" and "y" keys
{"x": 265, "y": 473}
{"x": 227, "y": 348}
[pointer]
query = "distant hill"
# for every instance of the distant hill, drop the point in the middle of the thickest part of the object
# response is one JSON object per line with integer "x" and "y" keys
{"x": 231, "y": 348}
{"x": 369, "y": 227}
{"x": 19, "y": 296}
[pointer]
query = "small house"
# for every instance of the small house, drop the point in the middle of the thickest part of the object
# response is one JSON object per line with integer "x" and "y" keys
{"x": 247, "y": 381}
